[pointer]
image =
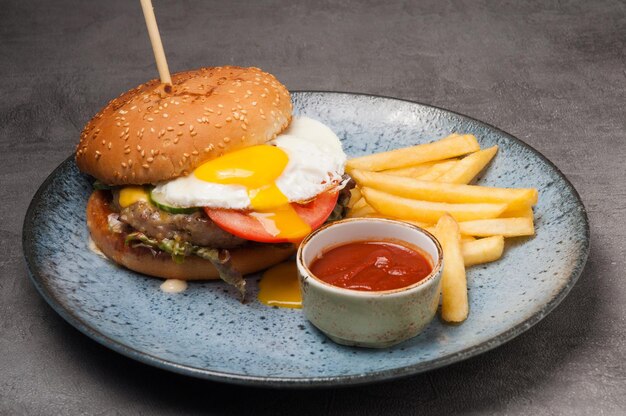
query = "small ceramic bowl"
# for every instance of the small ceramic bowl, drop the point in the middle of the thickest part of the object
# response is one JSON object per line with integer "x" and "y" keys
{"x": 375, "y": 319}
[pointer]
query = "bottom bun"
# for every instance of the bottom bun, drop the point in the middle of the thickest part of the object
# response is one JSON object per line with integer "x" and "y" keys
{"x": 247, "y": 259}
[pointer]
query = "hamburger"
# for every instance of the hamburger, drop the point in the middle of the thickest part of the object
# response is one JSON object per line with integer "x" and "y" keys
{"x": 209, "y": 177}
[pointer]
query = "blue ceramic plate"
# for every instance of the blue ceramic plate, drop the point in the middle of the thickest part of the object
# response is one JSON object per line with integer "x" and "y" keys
{"x": 205, "y": 331}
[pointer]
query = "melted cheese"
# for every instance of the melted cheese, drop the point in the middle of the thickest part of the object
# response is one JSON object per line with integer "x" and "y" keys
{"x": 131, "y": 194}
{"x": 280, "y": 287}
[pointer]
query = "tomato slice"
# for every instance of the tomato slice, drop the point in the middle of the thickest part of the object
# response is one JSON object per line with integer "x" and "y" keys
{"x": 242, "y": 224}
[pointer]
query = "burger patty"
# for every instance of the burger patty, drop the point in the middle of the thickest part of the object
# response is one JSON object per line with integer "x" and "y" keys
{"x": 196, "y": 228}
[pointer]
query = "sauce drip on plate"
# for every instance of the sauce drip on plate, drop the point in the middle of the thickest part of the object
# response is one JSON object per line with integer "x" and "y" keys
{"x": 173, "y": 286}
{"x": 372, "y": 266}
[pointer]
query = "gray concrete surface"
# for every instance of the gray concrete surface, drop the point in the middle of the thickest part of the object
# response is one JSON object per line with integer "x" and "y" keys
{"x": 552, "y": 73}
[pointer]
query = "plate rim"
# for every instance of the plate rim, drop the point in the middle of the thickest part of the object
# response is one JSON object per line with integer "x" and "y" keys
{"x": 309, "y": 382}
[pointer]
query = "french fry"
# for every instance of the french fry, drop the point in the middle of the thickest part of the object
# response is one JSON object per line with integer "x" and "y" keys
{"x": 427, "y": 211}
{"x": 483, "y": 250}
{"x": 412, "y": 171}
{"x": 526, "y": 212}
{"x": 420, "y": 224}
{"x": 445, "y": 192}
{"x": 365, "y": 211}
{"x": 361, "y": 209}
{"x": 454, "y": 303}
{"x": 437, "y": 170}
{"x": 451, "y": 146}
{"x": 355, "y": 195}
{"x": 361, "y": 203}
{"x": 469, "y": 167}
{"x": 507, "y": 227}
{"x": 467, "y": 238}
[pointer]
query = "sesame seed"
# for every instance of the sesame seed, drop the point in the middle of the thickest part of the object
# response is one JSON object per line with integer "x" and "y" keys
{"x": 127, "y": 151}
{"x": 190, "y": 127}
{"x": 176, "y": 140}
{"x": 220, "y": 105}
{"x": 195, "y": 153}
{"x": 143, "y": 153}
{"x": 253, "y": 103}
{"x": 164, "y": 115}
{"x": 110, "y": 145}
{"x": 180, "y": 133}
{"x": 145, "y": 166}
{"x": 226, "y": 139}
{"x": 185, "y": 155}
{"x": 124, "y": 165}
{"x": 138, "y": 148}
{"x": 150, "y": 160}
{"x": 181, "y": 123}
{"x": 130, "y": 162}
{"x": 217, "y": 126}
{"x": 150, "y": 119}
{"x": 193, "y": 133}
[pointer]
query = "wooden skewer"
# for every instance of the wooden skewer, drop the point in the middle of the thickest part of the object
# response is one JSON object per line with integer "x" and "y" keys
{"x": 157, "y": 45}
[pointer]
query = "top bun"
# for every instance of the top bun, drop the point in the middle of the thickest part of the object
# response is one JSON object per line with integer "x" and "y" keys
{"x": 154, "y": 132}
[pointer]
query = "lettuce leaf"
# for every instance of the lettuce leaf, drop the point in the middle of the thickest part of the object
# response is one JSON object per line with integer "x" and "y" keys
{"x": 181, "y": 249}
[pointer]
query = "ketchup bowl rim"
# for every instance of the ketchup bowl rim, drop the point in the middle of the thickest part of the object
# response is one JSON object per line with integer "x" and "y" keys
{"x": 368, "y": 293}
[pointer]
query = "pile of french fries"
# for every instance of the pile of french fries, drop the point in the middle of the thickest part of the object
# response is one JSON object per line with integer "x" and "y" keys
{"x": 429, "y": 185}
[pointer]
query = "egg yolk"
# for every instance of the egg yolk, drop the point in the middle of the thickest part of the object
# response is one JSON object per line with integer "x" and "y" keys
{"x": 257, "y": 168}
{"x": 279, "y": 286}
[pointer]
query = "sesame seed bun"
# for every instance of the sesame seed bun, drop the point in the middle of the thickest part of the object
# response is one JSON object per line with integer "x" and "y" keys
{"x": 247, "y": 259}
{"x": 152, "y": 133}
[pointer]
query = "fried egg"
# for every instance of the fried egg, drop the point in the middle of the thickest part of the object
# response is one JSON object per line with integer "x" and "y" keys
{"x": 299, "y": 164}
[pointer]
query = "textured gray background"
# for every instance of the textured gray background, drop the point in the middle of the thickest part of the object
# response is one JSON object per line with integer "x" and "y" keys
{"x": 551, "y": 73}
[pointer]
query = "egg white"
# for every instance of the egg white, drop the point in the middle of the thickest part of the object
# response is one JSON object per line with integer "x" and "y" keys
{"x": 316, "y": 160}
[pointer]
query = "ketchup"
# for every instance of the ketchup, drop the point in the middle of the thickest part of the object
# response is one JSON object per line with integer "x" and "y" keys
{"x": 372, "y": 266}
